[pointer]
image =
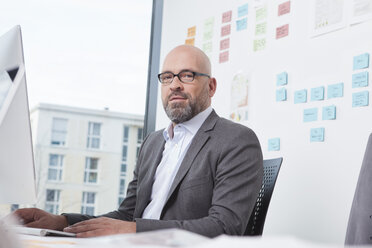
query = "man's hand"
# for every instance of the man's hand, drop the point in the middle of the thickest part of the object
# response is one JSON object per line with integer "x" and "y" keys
{"x": 34, "y": 217}
{"x": 101, "y": 226}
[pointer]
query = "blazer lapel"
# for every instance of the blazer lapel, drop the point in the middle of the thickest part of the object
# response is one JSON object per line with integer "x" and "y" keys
{"x": 200, "y": 138}
{"x": 145, "y": 187}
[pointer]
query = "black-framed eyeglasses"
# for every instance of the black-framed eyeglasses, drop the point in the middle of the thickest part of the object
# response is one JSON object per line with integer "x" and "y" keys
{"x": 185, "y": 76}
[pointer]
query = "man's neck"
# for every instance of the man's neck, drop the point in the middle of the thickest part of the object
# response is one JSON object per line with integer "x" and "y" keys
{"x": 174, "y": 124}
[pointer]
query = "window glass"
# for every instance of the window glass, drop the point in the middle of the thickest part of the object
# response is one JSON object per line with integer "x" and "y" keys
{"x": 59, "y": 131}
{"x": 52, "y": 201}
{"x": 55, "y": 167}
{"x": 91, "y": 170}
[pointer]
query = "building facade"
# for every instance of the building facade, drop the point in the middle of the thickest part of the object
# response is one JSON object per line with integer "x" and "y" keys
{"x": 84, "y": 158}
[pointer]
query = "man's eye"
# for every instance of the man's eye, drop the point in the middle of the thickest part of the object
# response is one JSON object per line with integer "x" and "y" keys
{"x": 187, "y": 75}
{"x": 167, "y": 77}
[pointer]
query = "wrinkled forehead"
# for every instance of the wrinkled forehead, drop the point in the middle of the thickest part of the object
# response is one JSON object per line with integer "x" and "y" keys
{"x": 186, "y": 58}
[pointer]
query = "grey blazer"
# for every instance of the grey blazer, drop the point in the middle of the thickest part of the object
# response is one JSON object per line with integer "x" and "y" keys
{"x": 359, "y": 229}
{"x": 214, "y": 190}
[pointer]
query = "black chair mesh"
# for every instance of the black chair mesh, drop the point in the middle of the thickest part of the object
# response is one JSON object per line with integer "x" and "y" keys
{"x": 257, "y": 219}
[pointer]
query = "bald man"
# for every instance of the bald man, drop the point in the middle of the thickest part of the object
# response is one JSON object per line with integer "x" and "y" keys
{"x": 202, "y": 173}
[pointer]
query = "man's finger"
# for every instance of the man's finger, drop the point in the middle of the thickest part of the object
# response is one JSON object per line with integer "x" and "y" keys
{"x": 82, "y": 228}
{"x": 90, "y": 222}
{"x": 34, "y": 224}
{"x": 92, "y": 233}
{"x": 24, "y": 215}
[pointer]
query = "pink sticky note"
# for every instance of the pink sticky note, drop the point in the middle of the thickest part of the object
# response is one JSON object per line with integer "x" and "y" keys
{"x": 224, "y": 44}
{"x": 226, "y": 30}
{"x": 224, "y": 56}
{"x": 282, "y": 31}
{"x": 226, "y": 16}
{"x": 284, "y": 8}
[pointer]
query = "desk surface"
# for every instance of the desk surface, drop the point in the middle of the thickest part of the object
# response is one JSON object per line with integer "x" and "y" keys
{"x": 167, "y": 238}
{"x": 161, "y": 238}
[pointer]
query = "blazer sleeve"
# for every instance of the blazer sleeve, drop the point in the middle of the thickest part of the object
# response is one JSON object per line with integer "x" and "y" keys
{"x": 238, "y": 179}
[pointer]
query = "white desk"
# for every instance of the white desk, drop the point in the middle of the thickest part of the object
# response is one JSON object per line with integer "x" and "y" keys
{"x": 161, "y": 238}
{"x": 167, "y": 238}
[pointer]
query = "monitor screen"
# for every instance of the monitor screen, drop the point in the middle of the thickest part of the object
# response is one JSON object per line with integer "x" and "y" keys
{"x": 17, "y": 173}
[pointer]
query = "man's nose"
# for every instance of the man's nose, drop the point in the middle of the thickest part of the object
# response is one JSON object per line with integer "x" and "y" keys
{"x": 176, "y": 84}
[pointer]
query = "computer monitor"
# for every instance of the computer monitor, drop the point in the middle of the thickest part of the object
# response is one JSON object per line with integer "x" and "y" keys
{"x": 17, "y": 172}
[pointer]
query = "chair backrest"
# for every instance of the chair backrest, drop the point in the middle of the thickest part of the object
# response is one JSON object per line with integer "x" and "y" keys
{"x": 257, "y": 220}
{"x": 359, "y": 229}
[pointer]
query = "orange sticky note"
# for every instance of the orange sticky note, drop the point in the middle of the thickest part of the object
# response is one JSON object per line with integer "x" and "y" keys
{"x": 191, "y": 31}
{"x": 190, "y": 41}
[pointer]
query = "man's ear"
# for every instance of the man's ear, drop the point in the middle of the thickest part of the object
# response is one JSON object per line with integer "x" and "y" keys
{"x": 212, "y": 86}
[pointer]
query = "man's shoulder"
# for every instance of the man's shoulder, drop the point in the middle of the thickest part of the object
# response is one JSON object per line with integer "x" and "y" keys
{"x": 155, "y": 135}
{"x": 227, "y": 125}
{"x": 227, "y": 131}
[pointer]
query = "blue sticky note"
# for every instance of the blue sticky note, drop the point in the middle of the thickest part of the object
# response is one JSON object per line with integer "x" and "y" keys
{"x": 360, "y": 79}
{"x": 243, "y": 10}
{"x": 274, "y": 144}
{"x": 335, "y": 90}
{"x": 241, "y": 24}
{"x": 317, "y": 134}
{"x": 300, "y": 96}
{"x": 310, "y": 114}
{"x": 281, "y": 95}
{"x": 317, "y": 94}
{"x": 361, "y": 61}
{"x": 329, "y": 113}
{"x": 282, "y": 79}
{"x": 360, "y": 99}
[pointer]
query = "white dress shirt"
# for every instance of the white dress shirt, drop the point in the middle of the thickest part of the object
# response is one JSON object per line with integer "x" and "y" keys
{"x": 174, "y": 151}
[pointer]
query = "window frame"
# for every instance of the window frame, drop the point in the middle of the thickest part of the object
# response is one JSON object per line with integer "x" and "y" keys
{"x": 58, "y": 167}
{"x": 91, "y": 136}
{"x": 58, "y": 132}
{"x": 88, "y": 170}
{"x": 54, "y": 204}
{"x": 85, "y": 205}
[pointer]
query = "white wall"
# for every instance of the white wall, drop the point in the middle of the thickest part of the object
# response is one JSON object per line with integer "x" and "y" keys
{"x": 314, "y": 191}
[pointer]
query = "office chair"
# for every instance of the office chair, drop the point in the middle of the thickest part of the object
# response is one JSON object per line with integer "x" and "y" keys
{"x": 257, "y": 220}
{"x": 359, "y": 228}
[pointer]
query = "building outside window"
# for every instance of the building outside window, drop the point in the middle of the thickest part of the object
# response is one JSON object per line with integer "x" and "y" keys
{"x": 71, "y": 130}
{"x": 59, "y": 132}
{"x": 14, "y": 207}
{"x": 121, "y": 189}
{"x": 123, "y": 167}
{"x": 124, "y": 154}
{"x": 88, "y": 203}
{"x": 55, "y": 168}
{"x": 139, "y": 139}
{"x": 94, "y": 135}
{"x": 52, "y": 201}
{"x": 126, "y": 134}
{"x": 91, "y": 170}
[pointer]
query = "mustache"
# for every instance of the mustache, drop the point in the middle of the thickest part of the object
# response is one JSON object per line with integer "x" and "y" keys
{"x": 181, "y": 94}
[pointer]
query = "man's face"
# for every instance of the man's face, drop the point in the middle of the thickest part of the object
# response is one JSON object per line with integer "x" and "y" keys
{"x": 182, "y": 101}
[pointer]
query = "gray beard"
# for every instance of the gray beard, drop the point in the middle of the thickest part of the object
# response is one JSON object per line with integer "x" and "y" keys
{"x": 178, "y": 113}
